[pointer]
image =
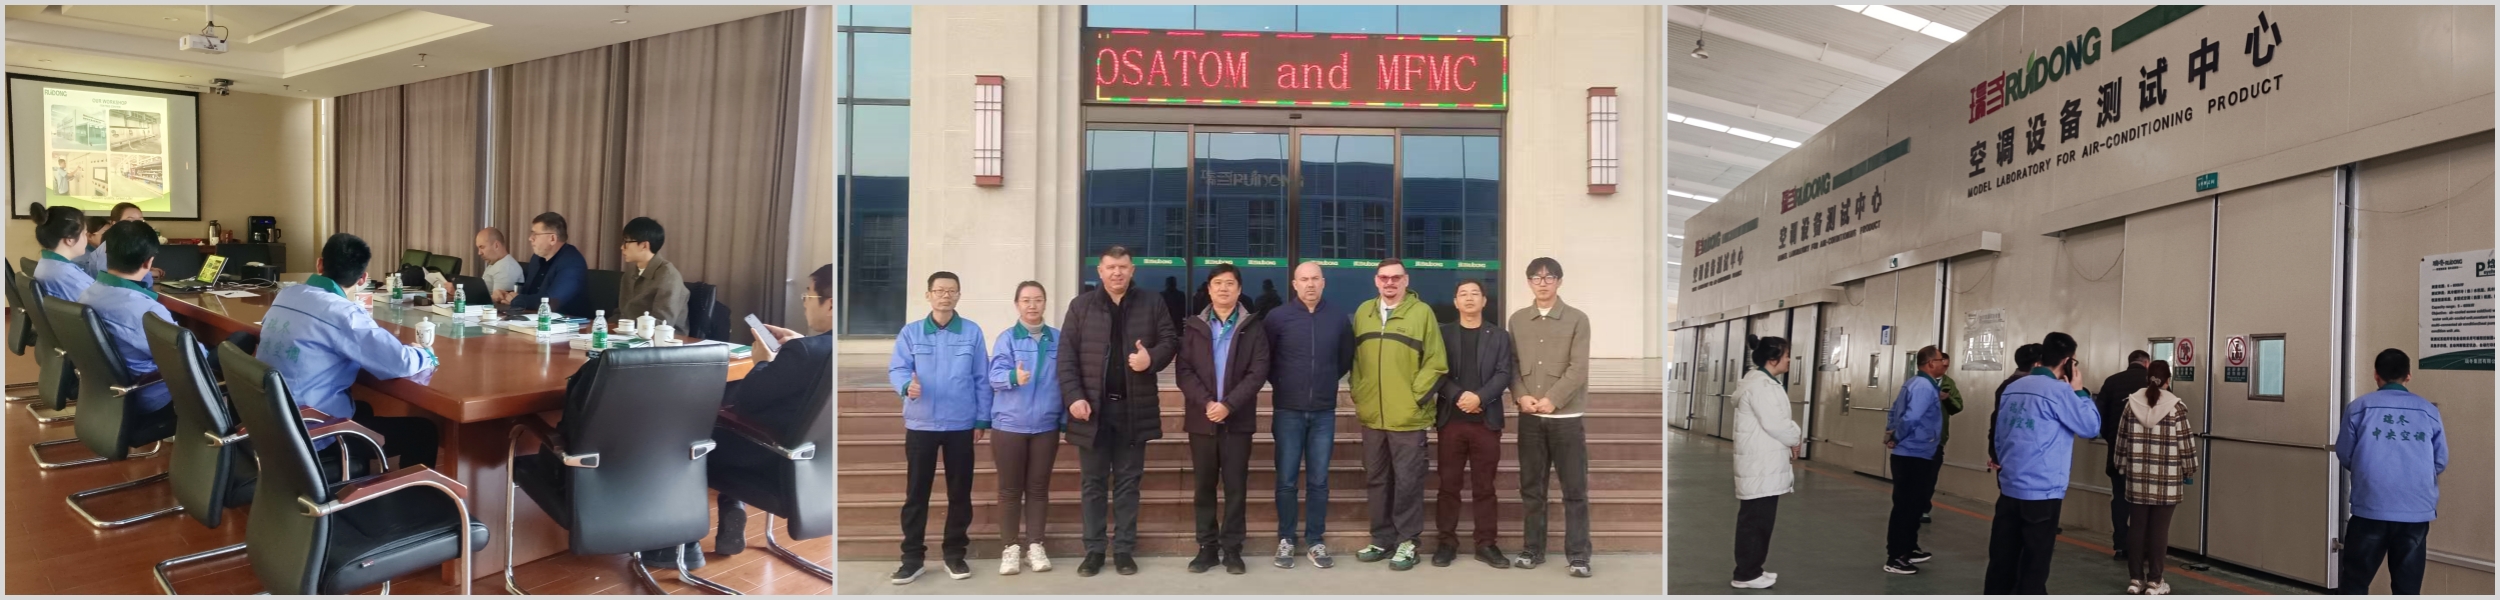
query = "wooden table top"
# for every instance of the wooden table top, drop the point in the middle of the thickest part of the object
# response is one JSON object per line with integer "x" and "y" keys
{"x": 494, "y": 375}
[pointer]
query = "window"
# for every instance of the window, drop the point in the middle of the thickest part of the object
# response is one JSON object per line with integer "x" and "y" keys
{"x": 1375, "y": 19}
{"x": 2161, "y": 349}
{"x": 873, "y": 181}
{"x": 2267, "y": 380}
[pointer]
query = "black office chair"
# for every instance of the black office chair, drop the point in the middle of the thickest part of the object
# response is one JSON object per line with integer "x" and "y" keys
{"x": 56, "y": 384}
{"x": 26, "y": 264}
{"x": 446, "y": 264}
{"x": 414, "y": 258}
{"x": 706, "y": 317}
{"x": 113, "y": 424}
{"x": 605, "y": 286}
{"x": 625, "y": 473}
{"x": 308, "y": 535}
{"x": 799, "y": 485}
{"x": 21, "y": 335}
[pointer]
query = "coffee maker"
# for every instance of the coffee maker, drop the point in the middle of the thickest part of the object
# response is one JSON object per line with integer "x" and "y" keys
{"x": 264, "y": 230}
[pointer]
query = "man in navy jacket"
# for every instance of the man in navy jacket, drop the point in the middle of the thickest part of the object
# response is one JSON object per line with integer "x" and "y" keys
{"x": 556, "y": 270}
{"x": 1310, "y": 346}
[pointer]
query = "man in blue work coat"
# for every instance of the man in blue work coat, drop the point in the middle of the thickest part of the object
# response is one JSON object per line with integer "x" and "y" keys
{"x": 2395, "y": 445}
{"x": 120, "y": 300}
{"x": 318, "y": 338}
{"x": 1914, "y": 430}
{"x": 942, "y": 371}
{"x": 2038, "y": 419}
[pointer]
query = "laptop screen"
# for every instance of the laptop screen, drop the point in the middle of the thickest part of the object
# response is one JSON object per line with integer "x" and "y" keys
{"x": 209, "y": 269}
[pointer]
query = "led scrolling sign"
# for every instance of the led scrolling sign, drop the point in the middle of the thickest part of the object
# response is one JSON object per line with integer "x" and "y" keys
{"x": 1317, "y": 70}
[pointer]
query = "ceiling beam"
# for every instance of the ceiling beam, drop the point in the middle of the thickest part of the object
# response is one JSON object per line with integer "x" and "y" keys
{"x": 1811, "y": 52}
{"x": 1698, "y": 151}
{"x": 1756, "y": 113}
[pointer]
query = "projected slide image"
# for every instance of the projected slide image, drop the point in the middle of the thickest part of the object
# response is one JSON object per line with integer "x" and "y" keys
{"x": 80, "y": 174}
{"x": 138, "y": 131}
{"x": 76, "y": 127}
{"x": 138, "y": 176}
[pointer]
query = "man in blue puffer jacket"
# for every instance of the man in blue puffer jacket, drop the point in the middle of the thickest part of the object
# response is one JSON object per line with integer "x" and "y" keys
{"x": 2038, "y": 419}
{"x": 942, "y": 373}
{"x": 1914, "y": 430}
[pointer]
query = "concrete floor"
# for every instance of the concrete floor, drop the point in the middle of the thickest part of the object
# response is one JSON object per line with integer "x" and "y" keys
{"x": 1829, "y": 538}
{"x": 1617, "y": 574}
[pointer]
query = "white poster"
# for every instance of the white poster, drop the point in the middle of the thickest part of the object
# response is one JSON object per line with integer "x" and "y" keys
{"x": 2456, "y": 312}
{"x": 1983, "y": 343}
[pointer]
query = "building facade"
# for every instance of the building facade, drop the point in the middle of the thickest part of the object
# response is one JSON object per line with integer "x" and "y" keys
{"x": 1013, "y": 143}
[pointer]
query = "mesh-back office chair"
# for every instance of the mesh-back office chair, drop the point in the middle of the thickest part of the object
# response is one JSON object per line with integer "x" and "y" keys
{"x": 113, "y": 423}
{"x": 212, "y": 465}
{"x": 604, "y": 288}
{"x": 56, "y": 384}
{"x": 625, "y": 470}
{"x": 414, "y": 258}
{"x": 21, "y": 336}
{"x": 446, "y": 264}
{"x": 308, "y": 535}
{"x": 798, "y": 485}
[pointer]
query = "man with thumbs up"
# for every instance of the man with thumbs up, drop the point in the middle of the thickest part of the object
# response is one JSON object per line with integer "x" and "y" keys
{"x": 1114, "y": 342}
{"x": 939, "y": 368}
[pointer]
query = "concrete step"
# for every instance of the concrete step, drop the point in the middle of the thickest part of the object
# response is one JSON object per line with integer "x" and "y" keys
{"x": 1345, "y": 473}
{"x": 1067, "y": 548}
{"x": 856, "y": 422}
{"x": 882, "y": 399}
{"x": 888, "y": 448}
{"x": 874, "y": 513}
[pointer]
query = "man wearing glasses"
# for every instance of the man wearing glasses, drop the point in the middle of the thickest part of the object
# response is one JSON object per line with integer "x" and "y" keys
{"x": 654, "y": 287}
{"x": 1552, "y": 340}
{"x": 942, "y": 371}
{"x": 556, "y": 271}
{"x": 1398, "y": 364}
{"x": 774, "y": 394}
{"x": 1310, "y": 349}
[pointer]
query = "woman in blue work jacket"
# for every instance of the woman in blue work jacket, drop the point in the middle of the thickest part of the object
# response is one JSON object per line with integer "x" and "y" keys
{"x": 1024, "y": 422}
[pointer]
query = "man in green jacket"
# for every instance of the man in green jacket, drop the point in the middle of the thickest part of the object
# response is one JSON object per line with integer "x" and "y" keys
{"x": 1398, "y": 361}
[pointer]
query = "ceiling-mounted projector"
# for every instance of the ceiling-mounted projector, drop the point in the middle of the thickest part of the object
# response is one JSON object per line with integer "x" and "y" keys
{"x": 202, "y": 43}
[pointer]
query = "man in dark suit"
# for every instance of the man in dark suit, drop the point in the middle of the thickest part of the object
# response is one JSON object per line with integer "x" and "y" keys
{"x": 2113, "y": 401}
{"x": 556, "y": 271}
{"x": 1470, "y": 419}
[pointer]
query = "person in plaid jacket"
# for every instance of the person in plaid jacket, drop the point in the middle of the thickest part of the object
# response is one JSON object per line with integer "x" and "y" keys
{"x": 2156, "y": 450}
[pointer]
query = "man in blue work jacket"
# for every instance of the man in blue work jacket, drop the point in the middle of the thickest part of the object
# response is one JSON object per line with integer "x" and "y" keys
{"x": 120, "y": 301}
{"x": 2395, "y": 446}
{"x": 1914, "y": 430}
{"x": 942, "y": 371}
{"x": 2038, "y": 419}
{"x": 318, "y": 338}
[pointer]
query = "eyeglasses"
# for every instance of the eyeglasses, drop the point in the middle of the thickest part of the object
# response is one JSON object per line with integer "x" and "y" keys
{"x": 534, "y": 234}
{"x": 1390, "y": 278}
{"x": 1544, "y": 279}
{"x": 807, "y": 297}
{"x": 946, "y": 293}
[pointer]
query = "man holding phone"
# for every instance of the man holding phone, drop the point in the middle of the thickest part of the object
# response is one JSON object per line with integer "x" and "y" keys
{"x": 2037, "y": 420}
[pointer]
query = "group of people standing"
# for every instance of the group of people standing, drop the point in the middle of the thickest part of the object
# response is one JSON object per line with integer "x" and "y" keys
{"x": 1093, "y": 380}
{"x": 2391, "y": 440}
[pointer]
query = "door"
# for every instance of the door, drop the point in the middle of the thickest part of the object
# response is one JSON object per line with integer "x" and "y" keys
{"x": 1712, "y": 400}
{"x": 2270, "y": 461}
{"x": 1238, "y": 219}
{"x": 1680, "y": 380}
{"x": 2169, "y": 273}
{"x": 1803, "y": 330}
{"x": 1852, "y": 397}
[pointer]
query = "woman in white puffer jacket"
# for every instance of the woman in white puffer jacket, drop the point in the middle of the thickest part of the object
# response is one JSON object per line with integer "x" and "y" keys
{"x": 1766, "y": 439}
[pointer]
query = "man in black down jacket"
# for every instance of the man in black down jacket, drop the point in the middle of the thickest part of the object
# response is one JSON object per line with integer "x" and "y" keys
{"x": 1114, "y": 340}
{"x": 2112, "y": 399}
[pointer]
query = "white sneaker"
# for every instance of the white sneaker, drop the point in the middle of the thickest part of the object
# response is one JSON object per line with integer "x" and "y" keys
{"x": 1036, "y": 560}
{"x": 1011, "y": 561}
{"x": 2162, "y": 588}
{"x": 2135, "y": 587}
{"x": 1759, "y": 583}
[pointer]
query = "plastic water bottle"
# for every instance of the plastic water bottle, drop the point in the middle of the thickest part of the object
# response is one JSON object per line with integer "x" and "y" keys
{"x": 598, "y": 332}
{"x": 459, "y": 299}
{"x": 394, "y": 285}
{"x": 546, "y": 317}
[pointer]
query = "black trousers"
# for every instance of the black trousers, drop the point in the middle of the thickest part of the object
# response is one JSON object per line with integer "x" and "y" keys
{"x": 1558, "y": 447}
{"x": 1224, "y": 458}
{"x": 1913, "y": 494}
{"x": 2019, "y": 542}
{"x": 1753, "y": 534}
{"x": 922, "y": 450}
{"x": 1111, "y": 467}
{"x": 2368, "y": 541}
{"x": 2120, "y": 512}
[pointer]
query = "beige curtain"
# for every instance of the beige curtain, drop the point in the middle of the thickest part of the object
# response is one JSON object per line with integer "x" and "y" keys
{"x": 557, "y": 128}
{"x": 710, "y": 141}
{"x": 439, "y": 208}
{"x": 369, "y": 173}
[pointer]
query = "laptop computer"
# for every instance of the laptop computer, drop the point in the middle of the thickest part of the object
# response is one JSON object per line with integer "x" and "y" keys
{"x": 210, "y": 267}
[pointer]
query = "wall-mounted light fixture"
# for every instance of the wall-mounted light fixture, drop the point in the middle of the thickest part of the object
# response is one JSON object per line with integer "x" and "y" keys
{"x": 989, "y": 130}
{"x": 1605, "y": 141}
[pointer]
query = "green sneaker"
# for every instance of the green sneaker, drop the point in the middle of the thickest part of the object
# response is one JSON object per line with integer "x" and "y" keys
{"x": 1371, "y": 553}
{"x": 1405, "y": 558}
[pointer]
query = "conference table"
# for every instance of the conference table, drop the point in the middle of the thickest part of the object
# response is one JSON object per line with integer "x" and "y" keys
{"x": 488, "y": 378}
